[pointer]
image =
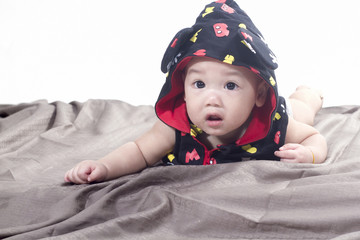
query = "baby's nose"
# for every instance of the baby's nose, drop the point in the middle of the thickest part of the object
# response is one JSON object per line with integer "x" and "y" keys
{"x": 213, "y": 99}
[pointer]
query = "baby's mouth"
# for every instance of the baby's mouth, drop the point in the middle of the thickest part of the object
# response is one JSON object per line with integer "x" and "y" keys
{"x": 214, "y": 120}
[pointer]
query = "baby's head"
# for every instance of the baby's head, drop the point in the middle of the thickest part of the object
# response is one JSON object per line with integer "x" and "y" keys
{"x": 220, "y": 97}
{"x": 223, "y": 40}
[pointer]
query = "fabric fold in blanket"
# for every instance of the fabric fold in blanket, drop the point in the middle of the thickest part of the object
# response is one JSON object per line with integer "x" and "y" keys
{"x": 247, "y": 200}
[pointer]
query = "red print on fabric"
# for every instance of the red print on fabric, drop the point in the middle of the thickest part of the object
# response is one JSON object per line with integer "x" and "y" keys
{"x": 212, "y": 161}
{"x": 254, "y": 70}
{"x": 221, "y": 29}
{"x": 277, "y": 137}
{"x": 227, "y": 8}
{"x": 192, "y": 156}
{"x": 174, "y": 43}
{"x": 246, "y": 36}
{"x": 200, "y": 53}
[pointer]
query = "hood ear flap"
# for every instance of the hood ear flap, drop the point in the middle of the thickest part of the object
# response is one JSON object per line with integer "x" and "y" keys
{"x": 173, "y": 50}
{"x": 256, "y": 43}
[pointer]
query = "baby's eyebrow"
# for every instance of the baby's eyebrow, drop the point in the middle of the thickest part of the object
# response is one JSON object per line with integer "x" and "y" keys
{"x": 233, "y": 73}
{"x": 193, "y": 70}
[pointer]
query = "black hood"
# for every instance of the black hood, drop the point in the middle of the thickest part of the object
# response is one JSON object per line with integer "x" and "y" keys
{"x": 224, "y": 32}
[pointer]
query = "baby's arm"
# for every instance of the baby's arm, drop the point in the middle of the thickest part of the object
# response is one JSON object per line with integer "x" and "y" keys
{"x": 129, "y": 158}
{"x": 303, "y": 144}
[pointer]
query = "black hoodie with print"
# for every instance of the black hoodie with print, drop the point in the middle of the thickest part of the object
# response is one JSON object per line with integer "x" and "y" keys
{"x": 223, "y": 32}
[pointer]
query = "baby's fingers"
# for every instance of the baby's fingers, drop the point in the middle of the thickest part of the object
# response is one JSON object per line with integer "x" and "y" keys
{"x": 83, "y": 173}
{"x": 77, "y": 175}
{"x": 67, "y": 176}
{"x": 97, "y": 174}
{"x": 289, "y": 146}
{"x": 286, "y": 155}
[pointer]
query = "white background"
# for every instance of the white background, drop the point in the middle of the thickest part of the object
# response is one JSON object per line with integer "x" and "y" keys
{"x": 110, "y": 49}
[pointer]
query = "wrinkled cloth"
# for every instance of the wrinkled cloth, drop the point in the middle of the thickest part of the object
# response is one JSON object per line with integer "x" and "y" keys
{"x": 246, "y": 200}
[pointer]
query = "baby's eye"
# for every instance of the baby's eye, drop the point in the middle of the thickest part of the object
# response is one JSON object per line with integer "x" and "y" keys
{"x": 199, "y": 84}
{"x": 231, "y": 86}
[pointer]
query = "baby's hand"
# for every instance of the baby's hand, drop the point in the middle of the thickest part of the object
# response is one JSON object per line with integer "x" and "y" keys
{"x": 86, "y": 172}
{"x": 294, "y": 153}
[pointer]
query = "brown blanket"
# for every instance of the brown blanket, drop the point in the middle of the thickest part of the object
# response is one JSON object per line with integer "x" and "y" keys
{"x": 245, "y": 200}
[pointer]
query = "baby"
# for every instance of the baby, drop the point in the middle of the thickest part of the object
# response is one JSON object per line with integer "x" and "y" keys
{"x": 219, "y": 104}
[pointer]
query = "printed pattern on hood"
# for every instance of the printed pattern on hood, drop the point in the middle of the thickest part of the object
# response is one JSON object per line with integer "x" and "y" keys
{"x": 223, "y": 32}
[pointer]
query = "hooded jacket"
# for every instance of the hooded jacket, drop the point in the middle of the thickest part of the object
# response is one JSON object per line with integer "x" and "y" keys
{"x": 223, "y": 32}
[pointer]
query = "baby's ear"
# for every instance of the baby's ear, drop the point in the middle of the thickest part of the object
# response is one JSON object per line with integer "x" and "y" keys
{"x": 173, "y": 50}
{"x": 262, "y": 92}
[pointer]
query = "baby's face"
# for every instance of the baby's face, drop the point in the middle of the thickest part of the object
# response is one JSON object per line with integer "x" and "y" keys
{"x": 220, "y": 97}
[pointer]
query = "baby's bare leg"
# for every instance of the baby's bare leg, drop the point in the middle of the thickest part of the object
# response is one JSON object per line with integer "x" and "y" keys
{"x": 305, "y": 103}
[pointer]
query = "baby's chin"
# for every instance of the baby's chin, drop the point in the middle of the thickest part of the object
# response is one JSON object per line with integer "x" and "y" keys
{"x": 223, "y": 137}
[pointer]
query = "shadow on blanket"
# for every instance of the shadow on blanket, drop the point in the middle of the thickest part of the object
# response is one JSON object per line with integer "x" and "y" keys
{"x": 245, "y": 200}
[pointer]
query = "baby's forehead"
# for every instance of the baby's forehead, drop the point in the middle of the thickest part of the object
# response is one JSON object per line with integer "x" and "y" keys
{"x": 203, "y": 64}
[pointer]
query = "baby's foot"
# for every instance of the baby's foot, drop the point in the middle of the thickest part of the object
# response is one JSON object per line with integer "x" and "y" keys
{"x": 317, "y": 92}
{"x": 316, "y": 96}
